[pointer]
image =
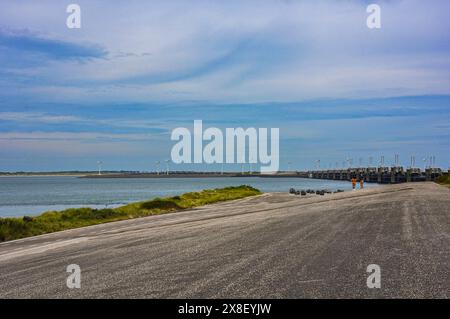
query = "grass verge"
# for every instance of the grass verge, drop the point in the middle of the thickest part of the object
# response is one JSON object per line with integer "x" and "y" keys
{"x": 48, "y": 222}
{"x": 444, "y": 180}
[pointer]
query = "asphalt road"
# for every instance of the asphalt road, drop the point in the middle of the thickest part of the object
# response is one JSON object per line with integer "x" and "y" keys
{"x": 270, "y": 246}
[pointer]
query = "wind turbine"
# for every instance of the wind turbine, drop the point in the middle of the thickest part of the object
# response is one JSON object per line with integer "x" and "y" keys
{"x": 157, "y": 167}
{"x": 413, "y": 161}
{"x": 425, "y": 159}
{"x": 167, "y": 166}
{"x": 349, "y": 162}
{"x": 99, "y": 165}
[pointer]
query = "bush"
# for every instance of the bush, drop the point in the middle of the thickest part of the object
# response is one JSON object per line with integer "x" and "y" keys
{"x": 160, "y": 203}
{"x": 444, "y": 179}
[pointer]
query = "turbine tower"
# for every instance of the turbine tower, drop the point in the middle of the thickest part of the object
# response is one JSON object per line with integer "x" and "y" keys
{"x": 157, "y": 167}
{"x": 425, "y": 159}
{"x": 167, "y": 167}
{"x": 349, "y": 162}
{"x": 413, "y": 161}
{"x": 99, "y": 165}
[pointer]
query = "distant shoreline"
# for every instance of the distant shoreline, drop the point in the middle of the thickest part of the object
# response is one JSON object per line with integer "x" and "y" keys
{"x": 155, "y": 175}
{"x": 42, "y": 175}
{"x": 191, "y": 175}
{"x": 74, "y": 173}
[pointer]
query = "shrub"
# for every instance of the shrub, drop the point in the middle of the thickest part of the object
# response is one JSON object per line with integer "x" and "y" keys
{"x": 160, "y": 203}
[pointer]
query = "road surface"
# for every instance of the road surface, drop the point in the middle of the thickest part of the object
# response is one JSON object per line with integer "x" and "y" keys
{"x": 270, "y": 246}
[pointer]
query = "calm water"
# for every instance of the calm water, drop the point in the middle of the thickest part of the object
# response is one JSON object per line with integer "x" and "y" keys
{"x": 33, "y": 195}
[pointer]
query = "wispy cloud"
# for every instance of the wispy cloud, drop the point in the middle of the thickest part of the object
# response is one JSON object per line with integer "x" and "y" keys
{"x": 26, "y": 42}
{"x": 71, "y": 136}
{"x": 230, "y": 51}
{"x": 37, "y": 117}
{"x": 312, "y": 68}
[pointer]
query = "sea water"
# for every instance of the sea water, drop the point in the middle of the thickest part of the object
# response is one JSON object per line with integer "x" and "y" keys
{"x": 31, "y": 195}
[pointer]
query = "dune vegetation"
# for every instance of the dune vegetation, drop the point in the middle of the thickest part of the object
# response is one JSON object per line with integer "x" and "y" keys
{"x": 15, "y": 228}
{"x": 444, "y": 180}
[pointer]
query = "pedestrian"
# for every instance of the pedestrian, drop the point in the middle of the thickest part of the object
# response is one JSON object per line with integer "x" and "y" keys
{"x": 361, "y": 183}
{"x": 354, "y": 183}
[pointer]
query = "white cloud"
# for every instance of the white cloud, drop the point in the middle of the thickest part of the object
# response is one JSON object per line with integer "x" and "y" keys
{"x": 79, "y": 136}
{"x": 242, "y": 51}
{"x": 37, "y": 117}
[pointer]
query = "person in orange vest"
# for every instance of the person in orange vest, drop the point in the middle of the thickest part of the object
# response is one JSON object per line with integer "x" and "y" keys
{"x": 361, "y": 183}
{"x": 354, "y": 183}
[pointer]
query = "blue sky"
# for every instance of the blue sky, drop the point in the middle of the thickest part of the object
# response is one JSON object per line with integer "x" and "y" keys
{"x": 114, "y": 89}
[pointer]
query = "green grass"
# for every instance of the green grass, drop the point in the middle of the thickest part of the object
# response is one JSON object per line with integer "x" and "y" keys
{"x": 48, "y": 222}
{"x": 444, "y": 180}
